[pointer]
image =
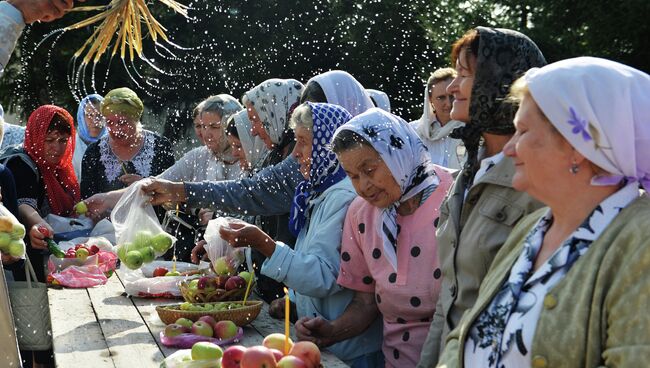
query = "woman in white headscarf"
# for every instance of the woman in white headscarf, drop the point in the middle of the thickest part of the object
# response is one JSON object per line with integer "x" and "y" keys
{"x": 247, "y": 149}
{"x": 379, "y": 98}
{"x": 339, "y": 88}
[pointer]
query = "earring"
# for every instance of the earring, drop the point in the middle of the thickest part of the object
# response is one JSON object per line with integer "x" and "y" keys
{"x": 574, "y": 168}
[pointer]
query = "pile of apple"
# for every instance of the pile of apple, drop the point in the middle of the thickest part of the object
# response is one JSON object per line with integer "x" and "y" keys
{"x": 225, "y": 282}
{"x": 209, "y": 307}
{"x": 81, "y": 252}
{"x": 205, "y": 326}
{"x": 12, "y": 233}
{"x": 303, "y": 354}
{"x": 144, "y": 248}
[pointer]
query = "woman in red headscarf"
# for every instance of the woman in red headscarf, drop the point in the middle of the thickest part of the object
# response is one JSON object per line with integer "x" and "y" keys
{"x": 45, "y": 178}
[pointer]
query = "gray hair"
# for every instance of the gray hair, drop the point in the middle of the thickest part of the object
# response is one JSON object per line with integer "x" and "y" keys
{"x": 302, "y": 117}
{"x": 223, "y": 104}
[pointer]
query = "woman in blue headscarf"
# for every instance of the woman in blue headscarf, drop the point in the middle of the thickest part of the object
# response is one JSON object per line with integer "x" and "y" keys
{"x": 90, "y": 127}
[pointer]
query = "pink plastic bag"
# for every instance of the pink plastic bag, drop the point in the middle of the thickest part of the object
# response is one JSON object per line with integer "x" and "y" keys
{"x": 187, "y": 340}
{"x": 74, "y": 273}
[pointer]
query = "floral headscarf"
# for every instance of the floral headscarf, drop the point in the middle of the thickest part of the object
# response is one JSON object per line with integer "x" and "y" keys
{"x": 82, "y": 126}
{"x": 59, "y": 179}
{"x": 274, "y": 100}
{"x": 254, "y": 148}
{"x": 325, "y": 169}
{"x": 407, "y": 158}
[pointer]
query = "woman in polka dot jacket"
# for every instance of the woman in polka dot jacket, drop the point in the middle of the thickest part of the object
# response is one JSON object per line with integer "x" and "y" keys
{"x": 389, "y": 252}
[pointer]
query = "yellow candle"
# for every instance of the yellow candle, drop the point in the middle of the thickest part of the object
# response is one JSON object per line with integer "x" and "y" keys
{"x": 248, "y": 287}
{"x": 286, "y": 321}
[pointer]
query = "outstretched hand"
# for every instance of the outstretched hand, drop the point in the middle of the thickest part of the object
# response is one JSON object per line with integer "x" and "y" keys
{"x": 241, "y": 234}
{"x": 317, "y": 330}
{"x": 164, "y": 191}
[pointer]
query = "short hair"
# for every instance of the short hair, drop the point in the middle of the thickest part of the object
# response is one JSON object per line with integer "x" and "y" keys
{"x": 302, "y": 117}
{"x": 219, "y": 105}
{"x": 347, "y": 140}
{"x": 60, "y": 124}
{"x": 231, "y": 127}
{"x": 440, "y": 75}
{"x": 313, "y": 92}
{"x": 469, "y": 42}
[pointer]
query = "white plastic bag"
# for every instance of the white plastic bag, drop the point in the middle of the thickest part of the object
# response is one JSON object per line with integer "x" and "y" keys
{"x": 140, "y": 238}
{"x": 225, "y": 259}
{"x": 62, "y": 224}
{"x": 183, "y": 359}
{"x": 12, "y": 233}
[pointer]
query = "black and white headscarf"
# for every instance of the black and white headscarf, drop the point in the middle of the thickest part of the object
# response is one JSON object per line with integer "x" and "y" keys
{"x": 407, "y": 158}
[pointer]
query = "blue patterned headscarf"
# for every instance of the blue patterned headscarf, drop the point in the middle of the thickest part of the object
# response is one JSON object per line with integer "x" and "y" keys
{"x": 407, "y": 158}
{"x": 82, "y": 128}
{"x": 325, "y": 169}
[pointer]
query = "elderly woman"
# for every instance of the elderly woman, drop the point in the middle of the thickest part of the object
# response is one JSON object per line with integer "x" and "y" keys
{"x": 389, "y": 246}
{"x": 565, "y": 289}
{"x": 91, "y": 126}
{"x": 339, "y": 88}
{"x": 317, "y": 213}
{"x": 128, "y": 152}
{"x": 379, "y": 99}
{"x": 435, "y": 125}
{"x": 482, "y": 207}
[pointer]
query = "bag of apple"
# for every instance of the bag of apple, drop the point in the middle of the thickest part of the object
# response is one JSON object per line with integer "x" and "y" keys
{"x": 12, "y": 233}
{"x": 140, "y": 238}
{"x": 225, "y": 259}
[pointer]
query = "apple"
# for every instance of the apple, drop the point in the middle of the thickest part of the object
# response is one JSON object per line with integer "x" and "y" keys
{"x": 184, "y": 322}
{"x": 81, "y": 208}
{"x": 161, "y": 242}
{"x": 246, "y": 276}
{"x": 5, "y": 239}
{"x": 211, "y": 321}
{"x": 160, "y": 271}
{"x": 194, "y": 284}
{"x": 277, "y": 354}
{"x": 122, "y": 250}
{"x": 225, "y": 329}
{"x": 70, "y": 253}
{"x": 232, "y": 356}
{"x": 17, "y": 231}
{"x": 94, "y": 249}
{"x": 235, "y": 282}
{"x": 175, "y": 330}
{"x": 276, "y": 341}
{"x": 173, "y": 273}
{"x": 206, "y": 283}
{"x": 142, "y": 238}
{"x": 204, "y": 350}
{"x": 223, "y": 267}
{"x": 308, "y": 352}
{"x": 6, "y": 225}
{"x": 133, "y": 259}
{"x": 202, "y": 328}
{"x": 221, "y": 281}
{"x": 258, "y": 357}
{"x": 148, "y": 254}
{"x": 82, "y": 254}
{"x": 16, "y": 248}
{"x": 291, "y": 361}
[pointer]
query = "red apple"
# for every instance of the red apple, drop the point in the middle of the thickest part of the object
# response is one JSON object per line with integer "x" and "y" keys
{"x": 225, "y": 330}
{"x": 308, "y": 352}
{"x": 221, "y": 281}
{"x": 277, "y": 354}
{"x": 94, "y": 249}
{"x": 206, "y": 283}
{"x": 202, "y": 328}
{"x": 276, "y": 341}
{"x": 175, "y": 330}
{"x": 235, "y": 282}
{"x": 232, "y": 356}
{"x": 160, "y": 271}
{"x": 258, "y": 357}
{"x": 291, "y": 361}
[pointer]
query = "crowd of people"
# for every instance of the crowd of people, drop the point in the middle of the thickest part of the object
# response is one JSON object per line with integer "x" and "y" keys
{"x": 504, "y": 228}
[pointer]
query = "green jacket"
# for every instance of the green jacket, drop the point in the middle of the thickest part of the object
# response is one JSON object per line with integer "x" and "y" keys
{"x": 470, "y": 233}
{"x": 597, "y": 315}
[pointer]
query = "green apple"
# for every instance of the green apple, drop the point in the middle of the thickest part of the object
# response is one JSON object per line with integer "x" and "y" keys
{"x": 18, "y": 231}
{"x": 148, "y": 254}
{"x": 81, "y": 208}
{"x": 122, "y": 250}
{"x": 173, "y": 273}
{"x": 133, "y": 259}
{"x": 204, "y": 350}
{"x": 194, "y": 284}
{"x": 175, "y": 330}
{"x": 82, "y": 254}
{"x": 184, "y": 322}
{"x": 5, "y": 239}
{"x": 161, "y": 242}
{"x": 246, "y": 276}
{"x": 225, "y": 329}
{"x": 142, "y": 239}
{"x": 16, "y": 248}
{"x": 222, "y": 266}
{"x": 202, "y": 328}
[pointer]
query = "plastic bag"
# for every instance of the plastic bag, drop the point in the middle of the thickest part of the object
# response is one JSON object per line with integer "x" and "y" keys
{"x": 187, "y": 340}
{"x": 79, "y": 273}
{"x": 156, "y": 287}
{"x": 140, "y": 238}
{"x": 69, "y": 227}
{"x": 12, "y": 233}
{"x": 225, "y": 259}
{"x": 182, "y": 267}
{"x": 183, "y": 359}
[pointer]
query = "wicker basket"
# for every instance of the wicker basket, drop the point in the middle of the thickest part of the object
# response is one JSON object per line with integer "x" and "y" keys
{"x": 241, "y": 316}
{"x": 217, "y": 295}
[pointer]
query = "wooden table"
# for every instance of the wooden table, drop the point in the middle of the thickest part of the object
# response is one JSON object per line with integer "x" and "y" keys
{"x": 101, "y": 327}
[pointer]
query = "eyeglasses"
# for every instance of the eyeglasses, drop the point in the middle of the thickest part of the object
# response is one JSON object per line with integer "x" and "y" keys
{"x": 444, "y": 97}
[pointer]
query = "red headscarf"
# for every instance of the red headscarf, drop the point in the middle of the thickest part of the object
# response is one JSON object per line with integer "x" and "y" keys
{"x": 60, "y": 180}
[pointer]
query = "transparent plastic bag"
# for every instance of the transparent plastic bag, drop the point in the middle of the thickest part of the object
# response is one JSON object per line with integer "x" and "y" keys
{"x": 82, "y": 273}
{"x": 183, "y": 359}
{"x": 156, "y": 287}
{"x": 12, "y": 233}
{"x": 225, "y": 259}
{"x": 140, "y": 238}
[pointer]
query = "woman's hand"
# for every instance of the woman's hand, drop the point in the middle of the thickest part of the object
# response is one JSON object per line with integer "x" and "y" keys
{"x": 198, "y": 252}
{"x": 7, "y": 259}
{"x": 241, "y": 234}
{"x": 317, "y": 330}
{"x": 38, "y": 233}
{"x": 205, "y": 215}
{"x": 162, "y": 191}
{"x": 98, "y": 207}
{"x": 129, "y": 179}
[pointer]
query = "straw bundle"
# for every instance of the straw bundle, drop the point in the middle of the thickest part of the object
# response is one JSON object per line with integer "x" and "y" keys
{"x": 122, "y": 18}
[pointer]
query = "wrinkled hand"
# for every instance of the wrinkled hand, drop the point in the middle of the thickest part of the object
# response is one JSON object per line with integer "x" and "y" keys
{"x": 163, "y": 191}
{"x": 98, "y": 207}
{"x": 38, "y": 233}
{"x": 7, "y": 259}
{"x": 198, "y": 252}
{"x": 242, "y": 234}
{"x": 317, "y": 330}
{"x": 129, "y": 179}
{"x": 205, "y": 215}
{"x": 42, "y": 10}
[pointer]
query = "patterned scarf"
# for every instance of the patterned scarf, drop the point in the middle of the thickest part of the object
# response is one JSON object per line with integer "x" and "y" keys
{"x": 82, "y": 126}
{"x": 325, "y": 169}
{"x": 253, "y": 147}
{"x": 504, "y": 55}
{"x": 60, "y": 180}
{"x": 407, "y": 158}
{"x": 274, "y": 100}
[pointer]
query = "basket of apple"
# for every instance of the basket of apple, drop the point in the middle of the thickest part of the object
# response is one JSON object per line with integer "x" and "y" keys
{"x": 234, "y": 311}
{"x": 270, "y": 354}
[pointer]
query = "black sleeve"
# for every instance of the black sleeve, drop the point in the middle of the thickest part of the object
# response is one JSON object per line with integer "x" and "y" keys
{"x": 8, "y": 186}
{"x": 91, "y": 171}
{"x": 27, "y": 182}
{"x": 164, "y": 155}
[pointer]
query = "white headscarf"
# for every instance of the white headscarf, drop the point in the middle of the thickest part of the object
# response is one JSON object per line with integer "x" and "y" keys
{"x": 342, "y": 89}
{"x": 407, "y": 158}
{"x": 273, "y": 101}
{"x": 380, "y": 98}
{"x": 254, "y": 148}
{"x": 603, "y": 109}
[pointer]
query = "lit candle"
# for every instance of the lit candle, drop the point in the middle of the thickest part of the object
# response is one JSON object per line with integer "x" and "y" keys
{"x": 286, "y": 321}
